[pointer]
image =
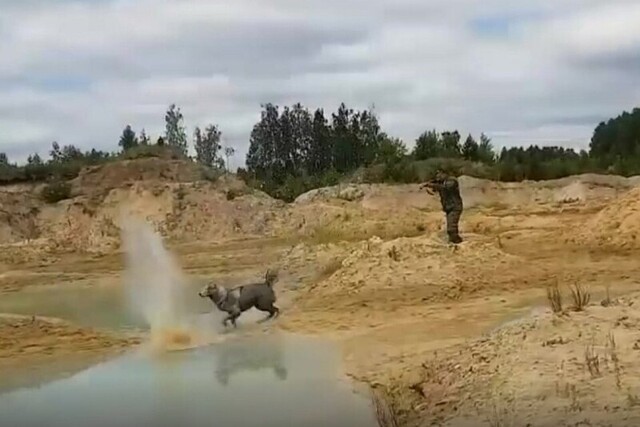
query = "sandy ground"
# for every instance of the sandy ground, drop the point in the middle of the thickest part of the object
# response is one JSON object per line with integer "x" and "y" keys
{"x": 580, "y": 368}
{"x": 426, "y": 322}
{"x": 34, "y": 349}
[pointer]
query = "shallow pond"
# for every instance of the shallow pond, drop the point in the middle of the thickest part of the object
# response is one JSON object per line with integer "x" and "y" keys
{"x": 268, "y": 381}
{"x": 93, "y": 306}
{"x": 265, "y": 380}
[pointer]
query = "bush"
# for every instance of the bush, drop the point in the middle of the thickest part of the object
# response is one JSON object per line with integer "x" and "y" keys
{"x": 411, "y": 171}
{"x": 11, "y": 174}
{"x": 58, "y": 170}
{"x": 56, "y": 191}
{"x": 426, "y": 169}
{"x": 292, "y": 188}
{"x": 146, "y": 151}
{"x": 404, "y": 171}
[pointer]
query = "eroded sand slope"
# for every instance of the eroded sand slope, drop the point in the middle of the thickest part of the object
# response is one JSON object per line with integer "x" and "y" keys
{"x": 367, "y": 265}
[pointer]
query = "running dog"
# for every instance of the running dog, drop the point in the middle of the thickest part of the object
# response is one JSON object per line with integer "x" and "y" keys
{"x": 235, "y": 301}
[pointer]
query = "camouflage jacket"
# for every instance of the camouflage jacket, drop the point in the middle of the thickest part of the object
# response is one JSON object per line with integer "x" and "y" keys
{"x": 449, "y": 192}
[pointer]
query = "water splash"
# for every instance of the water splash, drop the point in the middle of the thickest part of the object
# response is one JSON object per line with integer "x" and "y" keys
{"x": 157, "y": 289}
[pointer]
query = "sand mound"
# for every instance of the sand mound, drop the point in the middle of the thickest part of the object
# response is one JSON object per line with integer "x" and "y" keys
{"x": 184, "y": 203}
{"x": 348, "y": 192}
{"x": 19, "y": 209}
{"x": 574, "y": 192}
{"x": 617, "y": 225}
{"x": 200, "y": 210}
{"x": 119, "y": 174}
{"x": 534, "y": 371}
{"x": 477, "y": 193}
{"x": 169, "y": 194}
{"x": 312, "y": 263}
{"x": 409, "y": 271}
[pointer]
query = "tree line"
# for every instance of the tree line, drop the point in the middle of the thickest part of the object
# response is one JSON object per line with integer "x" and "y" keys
{"x": 65, "y": 162}
{"x": 294, "y": 149}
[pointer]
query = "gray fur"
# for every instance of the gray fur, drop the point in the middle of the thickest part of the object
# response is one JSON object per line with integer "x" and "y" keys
{"x": 235, "y": 301}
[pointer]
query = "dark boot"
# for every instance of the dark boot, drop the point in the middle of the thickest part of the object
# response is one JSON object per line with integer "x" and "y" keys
{"x": 453, "y": 217}
{"x": 454, "y": 238}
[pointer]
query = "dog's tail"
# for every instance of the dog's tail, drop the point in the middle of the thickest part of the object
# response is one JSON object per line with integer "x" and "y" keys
{"x": 270, "y": 277}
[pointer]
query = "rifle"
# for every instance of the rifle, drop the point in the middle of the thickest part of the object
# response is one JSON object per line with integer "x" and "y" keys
{"x": 429, "y": 185}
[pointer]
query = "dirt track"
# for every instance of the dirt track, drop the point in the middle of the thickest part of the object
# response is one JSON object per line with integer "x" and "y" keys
{"x": 369, "y": 268}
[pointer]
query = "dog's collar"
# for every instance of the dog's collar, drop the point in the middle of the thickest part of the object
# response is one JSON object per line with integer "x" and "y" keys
{"x": 220, "y": 303}
{"x": 222, "y": 299}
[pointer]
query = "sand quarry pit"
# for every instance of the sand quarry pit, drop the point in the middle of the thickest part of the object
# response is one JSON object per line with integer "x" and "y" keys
{"x": 366, "y": 266}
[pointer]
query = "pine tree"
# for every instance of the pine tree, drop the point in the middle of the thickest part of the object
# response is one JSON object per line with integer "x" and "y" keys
{"x": 144, "y": 139}
{"x": 128, "y": 139}
{"x": 207, "y": 146}
{"x": 175, "y": 132}
{"x": 470, "y": 149}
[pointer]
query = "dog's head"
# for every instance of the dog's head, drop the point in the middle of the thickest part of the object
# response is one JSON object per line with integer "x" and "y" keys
{"x": 271, "y": 277}
{"x": 212, "y": 291}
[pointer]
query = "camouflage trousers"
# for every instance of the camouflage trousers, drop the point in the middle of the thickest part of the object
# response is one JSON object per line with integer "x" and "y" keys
{"x": 453, "y": 218}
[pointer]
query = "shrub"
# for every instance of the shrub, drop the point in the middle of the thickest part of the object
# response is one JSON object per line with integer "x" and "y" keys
{"x": 56, "y": 191}
{"x": 555, "y": 298}
{"x": 580, "y": 296}
{"x": 11, "y": 174}
{"x": 146, "y": 151}
{"x": 232, "y": 194}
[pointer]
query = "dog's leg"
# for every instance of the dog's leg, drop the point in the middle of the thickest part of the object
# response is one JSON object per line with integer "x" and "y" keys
{"x": 233, "y": 316}
{"x": 273, "y": 313}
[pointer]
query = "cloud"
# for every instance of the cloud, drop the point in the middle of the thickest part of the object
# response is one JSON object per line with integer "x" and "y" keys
{"x": 523, "y": 72}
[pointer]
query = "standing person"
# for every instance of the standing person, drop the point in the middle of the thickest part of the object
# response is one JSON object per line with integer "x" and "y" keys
{"x": 449, "y": 191}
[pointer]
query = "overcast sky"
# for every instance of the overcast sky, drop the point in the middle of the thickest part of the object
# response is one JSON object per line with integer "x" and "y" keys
{"x": 522, "y": 71}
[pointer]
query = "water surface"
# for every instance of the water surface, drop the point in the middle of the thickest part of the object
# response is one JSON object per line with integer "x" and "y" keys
{"x": 92, "y": 306}
{"x": 267, "y": 381}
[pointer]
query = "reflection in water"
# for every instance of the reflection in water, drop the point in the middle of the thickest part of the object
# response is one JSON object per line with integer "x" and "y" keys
{"x": 179, "y": 389}
{"x": 234, "y": 357}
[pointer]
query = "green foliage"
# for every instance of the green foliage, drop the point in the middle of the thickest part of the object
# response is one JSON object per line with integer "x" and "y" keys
{"x": 290, "y": 148}
{"x": 389, "y": 150}
{"x": 207, "y": 146}
{"x": 486, "y": 153}
{"x": 159, "y": 151}
{"x": 65, "y": 163}
{"x": 470, "y": 149}
{"x": 56, "y": 191}
{"x": 431, "y": 144}
{"x": 144, "y": 139}
{"x": 293, "y": 142}
{"x": 292, "y": 151}
{"x": 175, "y": 132}
{"x": 11, "y": 173}
{"x": 427, "y": 146}
{"x": 539, "y": 163}
{"x": 128, "y": 139}
{"x": 618, "y": 137}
